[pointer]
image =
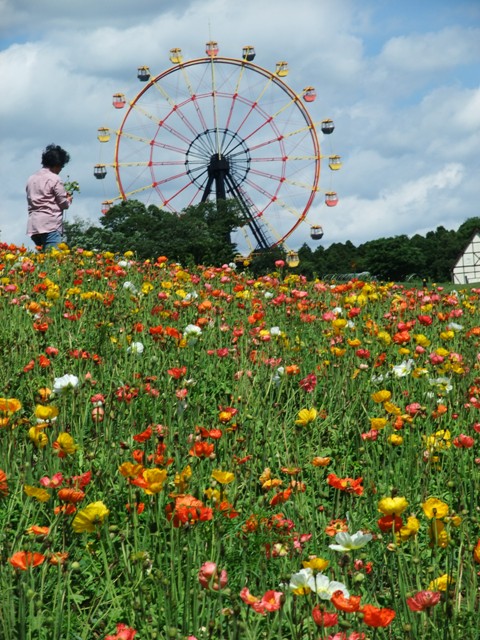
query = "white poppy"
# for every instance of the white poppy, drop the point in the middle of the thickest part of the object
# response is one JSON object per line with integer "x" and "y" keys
{"x": 347, "y": 542}
{"x": 68, "y": 381}
{"x": 302, "y": 582}
{"x": 136, "y": 348}
{"x": 325, "y": 588}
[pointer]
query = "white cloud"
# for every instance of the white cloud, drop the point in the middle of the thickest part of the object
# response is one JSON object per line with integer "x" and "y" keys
{"x": 433, "y": 52}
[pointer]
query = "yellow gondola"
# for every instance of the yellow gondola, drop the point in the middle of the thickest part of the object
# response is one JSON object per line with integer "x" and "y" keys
{"x": 176, "y": 56}
{"x": 103, "y": 134}
{"x": 281, "y": 69}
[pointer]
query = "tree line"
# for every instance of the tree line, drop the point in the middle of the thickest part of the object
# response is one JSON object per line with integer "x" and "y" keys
{"x": 202, "y": 235}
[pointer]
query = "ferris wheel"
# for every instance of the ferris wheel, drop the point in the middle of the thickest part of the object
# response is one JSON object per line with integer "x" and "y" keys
{"x": 216, "y": 128}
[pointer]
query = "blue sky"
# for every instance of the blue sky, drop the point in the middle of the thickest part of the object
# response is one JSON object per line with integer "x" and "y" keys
{"x": 401, "y": 80}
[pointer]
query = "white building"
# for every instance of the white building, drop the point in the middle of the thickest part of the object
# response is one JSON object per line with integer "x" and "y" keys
{"x": 467, "y": 267}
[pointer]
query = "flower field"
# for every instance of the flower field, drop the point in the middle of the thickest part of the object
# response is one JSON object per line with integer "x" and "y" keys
{"x": 200, "y": 454}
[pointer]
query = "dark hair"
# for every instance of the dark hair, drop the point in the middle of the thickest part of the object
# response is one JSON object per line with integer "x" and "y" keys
{"x": 54, "y": 156}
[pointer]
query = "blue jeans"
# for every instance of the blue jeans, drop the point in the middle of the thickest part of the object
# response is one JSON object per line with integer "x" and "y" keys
{"x": 47, "y": 240}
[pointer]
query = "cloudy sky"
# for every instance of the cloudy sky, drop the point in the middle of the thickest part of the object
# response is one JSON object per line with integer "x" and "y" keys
{"x": 401, "y": 80}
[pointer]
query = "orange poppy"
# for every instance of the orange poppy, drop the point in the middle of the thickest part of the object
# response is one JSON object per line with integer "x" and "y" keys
{"x": 67, "y": 509}
{"x": 25, "y": 559}
{"x": 58, "y": 557}
{"x": 292, "y": 370}
{"x": 336, "y": 526}
{"x": 3, "y": 484}
{"x": 71, "y": 495}
{"x": 341, "y": 603}
{"x": 187, "y": 510}
{"x": 38, "y": 531}
{"x": 476, "y": 552}
{"x": 280, "y": 497}
{"x": 202, "y": 449}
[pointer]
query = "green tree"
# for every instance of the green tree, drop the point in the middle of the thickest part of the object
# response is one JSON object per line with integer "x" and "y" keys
{"x": 393, "y": 258}
{"x": 341, "y": 258}
{"x": 200, "y": 235}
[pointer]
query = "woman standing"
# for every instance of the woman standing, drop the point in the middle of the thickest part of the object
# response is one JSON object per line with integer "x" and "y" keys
{"x": 47, "y": 199}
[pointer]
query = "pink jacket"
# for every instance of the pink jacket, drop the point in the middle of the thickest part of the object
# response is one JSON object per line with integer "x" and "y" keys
{"x": 47, "y": 199}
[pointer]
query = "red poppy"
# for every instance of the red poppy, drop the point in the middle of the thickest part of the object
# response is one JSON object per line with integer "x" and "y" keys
{"x": 227, "y": 509}
{"x": 139, "y": 507}
{"x": 41, "y": 327}
{"x": 82, "y": 480}
{"x": 463, "y": 442}
{"x": 308, "y": 383}
{"x": 123, "y": 633}
{"x": 43, "y": 361}
{"x": 324, "y": 618}
{"x": 144, "y": 436}
{"x": 425, "y": 320}
{"x": 215, "y": 434}
{"x": 423, "y": 600}
{"x": 173, "y": 333}
{"x": 58, "y": 557}
{"x": 401, "y": 337}
{"x": 390, "y": 523}
{"x": 375, "y": 617}
{"x": 350, "y": 485}
{"x": 156, "y": 332}
{"x": 177, "y": 372}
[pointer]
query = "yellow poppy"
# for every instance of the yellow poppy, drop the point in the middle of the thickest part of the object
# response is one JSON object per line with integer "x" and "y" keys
{"x": 392, "y": 506}
{"x": 392, "y": 408}
{"x": 92, "y": 515}
{"x": 38, "y": 493}
{"x": 377, "y": 423}
{"x": 46, "y": 412}
{"x": 410, "y": 529}
{"x": 9, "y": 405}
{"x": 441, "y": 583}
{"x": 38, "y": 436}
{"x": 65, "y": 444}
{"x": 316, "y": 564}
{"x": 438, "y": 534}
{"x": 384, "y": 337}
{"x": 154, "y": 480}
{"x": 381, "y": 396}
{"x": 305, "y": 416}
{"x": 435, "y": 508}
{"x": 130, "y": 469}
{"x": 223, "y": 477}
